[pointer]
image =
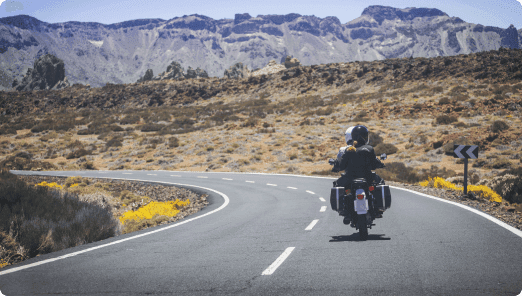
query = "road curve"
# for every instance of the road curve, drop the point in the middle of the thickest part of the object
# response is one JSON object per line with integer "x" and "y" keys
{"x": 272, "y": 235}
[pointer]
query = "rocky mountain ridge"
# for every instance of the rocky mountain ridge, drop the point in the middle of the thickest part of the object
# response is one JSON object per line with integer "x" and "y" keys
{"x": 97, "y": 54}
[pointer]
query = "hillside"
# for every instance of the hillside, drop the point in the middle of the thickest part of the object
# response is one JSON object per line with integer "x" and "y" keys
{"x": 290, "y": 122}
{"x": 97, "y": 54}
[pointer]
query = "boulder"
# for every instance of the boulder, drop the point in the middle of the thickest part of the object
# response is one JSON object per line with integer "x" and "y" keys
{"x": 291, "y": 62}
{"x": 48, "y": 73}
{"x": 237, "y": 71}
{"x": 148, "y": 76}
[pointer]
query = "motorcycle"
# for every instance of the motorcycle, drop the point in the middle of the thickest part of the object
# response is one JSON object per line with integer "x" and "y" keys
{"x": 370, "y": 199}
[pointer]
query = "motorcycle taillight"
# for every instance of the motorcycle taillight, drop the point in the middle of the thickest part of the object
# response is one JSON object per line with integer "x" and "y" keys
{"x": 371, "y": 188}
{"x": 360, "y": 196}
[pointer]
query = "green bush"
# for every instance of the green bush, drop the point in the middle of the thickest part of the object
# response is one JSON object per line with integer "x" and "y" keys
{"x": 499, "y": 126}
{"x": 499, "y": 163}
{"x": 173, "y": 142}
{"x": 151, "y": 127}
{"x": 385, "y": 148}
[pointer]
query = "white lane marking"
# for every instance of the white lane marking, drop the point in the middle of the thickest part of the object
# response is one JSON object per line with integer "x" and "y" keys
{"x": 250, "y": 181}
{"x": 323, "y": 208}
{"x": 278, "y": 261}
{"x": 291, "y": 187}
{"x": 152, "y": 174}
{"x": 127, "y": 173}
{"x": 322, "y": 199}
{"x": 311, "y": 192}
{"x": 202, "y": 177}
{"x": 228, "y": 179}
{"x": 271, "y": 184}
{"x": 490, "y": 218}
{"x": 128, "y": 238}
{"x": 312, "y": 225}
{"x": 175, "y": 175}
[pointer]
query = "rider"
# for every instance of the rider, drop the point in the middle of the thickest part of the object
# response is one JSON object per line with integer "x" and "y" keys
{"x": 342, "y": 150}
{"x": 358, "y": 161}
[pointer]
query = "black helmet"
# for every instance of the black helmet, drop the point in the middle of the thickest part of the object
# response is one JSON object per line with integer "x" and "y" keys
{"x": 360, "y": 134}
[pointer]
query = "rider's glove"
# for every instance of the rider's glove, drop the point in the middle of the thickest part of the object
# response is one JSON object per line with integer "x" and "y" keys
{"x": 331, "y": 161}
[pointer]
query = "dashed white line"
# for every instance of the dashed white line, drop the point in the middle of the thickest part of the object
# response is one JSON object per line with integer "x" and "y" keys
{"x": 228, "y": 179}
{"x": 312, "y": 225}
{"x": 291, "y": 187}
{"x": 127, "y": 173}
{"x": 152, "y": 174}
{"x": 323, "y": 208}
{"x": 322, "y": 199}
{"x": 311, "y": 192}
{"x": 278, "y": 261}
{"x": 175, "y": 175}
{"x": 202, "y": 177}
{"x": 250, "y": 181}
{"x": 271, "y": 184}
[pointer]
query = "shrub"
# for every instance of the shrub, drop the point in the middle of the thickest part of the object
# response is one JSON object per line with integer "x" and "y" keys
{"x": 77, "y": 153}
{"x": 499, "y": 126}
{"x": 151, "y": 127}
{"x": 510, "y": 186}
{"x": 499, "y": 163}
{"x": 44, "y": 220}
{"x": 385, "y": 148}
{"x": 444, "y": 100}
{"x": 114, "y": 142}
{"x": 173, "y": 142}
{"x": 445, "y": 119}
{"x": 19, "y": 163}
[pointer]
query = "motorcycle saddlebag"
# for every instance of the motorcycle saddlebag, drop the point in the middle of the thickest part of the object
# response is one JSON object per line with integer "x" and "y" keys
{"x": 382, "y": 197}
{"x": 336, "y": 196}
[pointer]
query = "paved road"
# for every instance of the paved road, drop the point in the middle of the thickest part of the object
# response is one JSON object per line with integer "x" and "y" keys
{"x": 258, "y": 238}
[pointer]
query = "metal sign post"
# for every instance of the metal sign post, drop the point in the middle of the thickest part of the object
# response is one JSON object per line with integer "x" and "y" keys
{"x": 466, "y": 152}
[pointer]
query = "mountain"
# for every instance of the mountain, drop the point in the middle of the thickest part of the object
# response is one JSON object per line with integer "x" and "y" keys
{"x": 97, "y": 54}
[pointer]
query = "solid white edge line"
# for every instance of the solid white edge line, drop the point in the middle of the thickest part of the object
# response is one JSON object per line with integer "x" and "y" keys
{"x": 128, "y": 238}
{"x": 323, "y": 208}
{"x": 291, "y": 187}
{"x": 322, "y": 199}
{"x": 490, "y": 218}
{"x": 312, "y": 224}
{"x": 278, "y": 261}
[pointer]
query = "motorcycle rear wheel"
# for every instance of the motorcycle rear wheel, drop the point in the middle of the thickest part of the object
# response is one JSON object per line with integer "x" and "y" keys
{"x": 363, "y": 228}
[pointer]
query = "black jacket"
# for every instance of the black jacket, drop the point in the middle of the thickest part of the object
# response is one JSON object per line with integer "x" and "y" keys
{"x": 359, "y": 162}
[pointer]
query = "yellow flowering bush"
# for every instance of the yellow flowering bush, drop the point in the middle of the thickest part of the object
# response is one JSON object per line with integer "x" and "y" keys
{"x": 3, "y": 263}
{"x": 480, "y": 190}
{"x": 168, "y": 208}
{"x": 50, "y": 185}
{"x": 73, "y": 185}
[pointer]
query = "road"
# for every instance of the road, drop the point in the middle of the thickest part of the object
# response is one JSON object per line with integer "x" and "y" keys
{"x": 276, "y": 235}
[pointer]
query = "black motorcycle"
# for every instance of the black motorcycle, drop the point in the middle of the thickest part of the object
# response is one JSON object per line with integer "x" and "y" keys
{"x": 361, "y": 203}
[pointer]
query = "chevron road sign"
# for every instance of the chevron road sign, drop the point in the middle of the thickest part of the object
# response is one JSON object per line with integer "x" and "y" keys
{"x": 465, "y": 151}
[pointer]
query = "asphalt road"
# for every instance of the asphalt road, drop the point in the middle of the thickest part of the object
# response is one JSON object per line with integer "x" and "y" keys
{"x": 258, "y": 238}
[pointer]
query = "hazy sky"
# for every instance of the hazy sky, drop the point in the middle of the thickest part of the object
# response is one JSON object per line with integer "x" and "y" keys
{"x": 498, "y": 13}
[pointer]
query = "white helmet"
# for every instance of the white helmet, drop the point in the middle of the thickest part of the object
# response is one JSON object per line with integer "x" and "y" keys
{"x": 348, "y": 135}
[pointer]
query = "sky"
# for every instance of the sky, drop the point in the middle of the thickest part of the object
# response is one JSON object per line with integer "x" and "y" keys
{"x": 497, "y": 13}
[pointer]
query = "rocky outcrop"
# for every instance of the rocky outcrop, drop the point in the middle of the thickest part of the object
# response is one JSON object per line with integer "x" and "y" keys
{"x": 48, "y": 73}
{"x": 291, "y": 62}
{"x": 271, "y": 68}
{"x": 237, "y": 71}
{"x": 174, "y": 71}
{"x": 148, "y": 76}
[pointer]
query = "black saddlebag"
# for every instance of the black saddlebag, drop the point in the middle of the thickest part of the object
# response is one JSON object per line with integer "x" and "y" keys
{"x": 336, "y": 198}
{"x": 382, "y": 197}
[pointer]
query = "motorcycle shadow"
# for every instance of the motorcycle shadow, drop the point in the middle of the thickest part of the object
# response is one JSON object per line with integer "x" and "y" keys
{"x": 356, "y": 238}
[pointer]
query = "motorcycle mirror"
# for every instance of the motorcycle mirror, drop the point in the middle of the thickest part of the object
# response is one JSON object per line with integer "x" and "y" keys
{"x": 383, "y": 156}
